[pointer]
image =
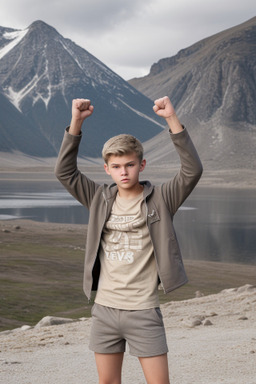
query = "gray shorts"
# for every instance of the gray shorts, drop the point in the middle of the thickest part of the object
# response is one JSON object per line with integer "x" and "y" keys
{"x": 143, "y": 330}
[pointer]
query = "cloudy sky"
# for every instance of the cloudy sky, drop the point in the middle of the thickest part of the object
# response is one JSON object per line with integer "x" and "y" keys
{"x": 130, "y": 35}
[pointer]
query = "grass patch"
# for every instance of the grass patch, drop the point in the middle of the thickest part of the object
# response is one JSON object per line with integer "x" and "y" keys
{"x": 41, "y": 273}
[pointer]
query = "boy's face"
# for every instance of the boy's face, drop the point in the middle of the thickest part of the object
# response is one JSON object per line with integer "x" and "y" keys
{"x": 125, "y": 170}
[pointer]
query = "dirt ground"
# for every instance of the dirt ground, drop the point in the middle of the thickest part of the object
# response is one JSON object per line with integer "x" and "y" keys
{"x": 212, "y": 339}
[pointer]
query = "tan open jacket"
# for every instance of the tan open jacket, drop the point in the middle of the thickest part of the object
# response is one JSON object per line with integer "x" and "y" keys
{"x": 161, "y": 204}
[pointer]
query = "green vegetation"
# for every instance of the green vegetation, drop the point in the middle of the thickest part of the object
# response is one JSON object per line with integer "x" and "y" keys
{"x": 39, "y": 280}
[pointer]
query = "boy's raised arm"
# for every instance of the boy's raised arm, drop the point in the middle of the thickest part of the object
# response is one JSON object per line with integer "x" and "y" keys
{"x": 81, "y": 109}
{"x": 164, "y": 108}
{"x": 66, "y": 170}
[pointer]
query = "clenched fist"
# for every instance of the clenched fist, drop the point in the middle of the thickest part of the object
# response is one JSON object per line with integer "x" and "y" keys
{"x": 163, "y": 107}
{"x": 81, "y": 109}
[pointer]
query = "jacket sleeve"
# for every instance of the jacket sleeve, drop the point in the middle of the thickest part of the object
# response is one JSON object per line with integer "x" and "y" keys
{"x": 178, "y": 189}
{"x": 66, "y": 171}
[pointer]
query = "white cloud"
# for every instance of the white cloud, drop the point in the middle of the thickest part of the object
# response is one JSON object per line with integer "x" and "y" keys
{"x": 129, "y": 36}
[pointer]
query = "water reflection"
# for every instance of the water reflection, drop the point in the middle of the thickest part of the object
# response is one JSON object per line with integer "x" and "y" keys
{"x": 217, "y": 225}
{"x": 55, "y": 206}
{"x": 222, "y": 228}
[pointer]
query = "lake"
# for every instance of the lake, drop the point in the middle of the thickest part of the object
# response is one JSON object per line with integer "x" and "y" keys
{"x": 213, "y": 224}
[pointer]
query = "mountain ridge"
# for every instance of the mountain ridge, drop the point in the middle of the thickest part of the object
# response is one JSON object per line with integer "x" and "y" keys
{"x": 212, "y": 85}
{"x": 41, "y": 72}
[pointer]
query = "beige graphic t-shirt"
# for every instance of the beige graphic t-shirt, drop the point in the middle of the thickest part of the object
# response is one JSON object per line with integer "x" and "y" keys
{"x": 128, "y": 277}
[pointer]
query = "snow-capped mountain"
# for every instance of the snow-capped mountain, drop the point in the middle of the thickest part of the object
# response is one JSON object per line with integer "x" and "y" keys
{"x": 41, "y": 72}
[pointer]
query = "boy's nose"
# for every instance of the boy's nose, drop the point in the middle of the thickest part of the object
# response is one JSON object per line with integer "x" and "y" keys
{"x": 124, "y": 171}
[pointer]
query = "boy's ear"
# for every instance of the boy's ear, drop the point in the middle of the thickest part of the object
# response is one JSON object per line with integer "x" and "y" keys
{"x": 142, "y": 165}
{"x": 106, "y": 169}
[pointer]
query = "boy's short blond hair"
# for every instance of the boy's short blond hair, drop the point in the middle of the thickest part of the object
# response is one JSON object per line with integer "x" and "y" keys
{"x": 122, "y": 145}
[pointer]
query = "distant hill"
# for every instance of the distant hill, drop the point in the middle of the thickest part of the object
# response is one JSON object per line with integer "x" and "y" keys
{"x": 40, "y": 73}
{"x": 212, "y": 84}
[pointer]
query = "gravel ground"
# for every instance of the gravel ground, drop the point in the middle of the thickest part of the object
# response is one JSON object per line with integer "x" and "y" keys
{"x": 212, "y": 340}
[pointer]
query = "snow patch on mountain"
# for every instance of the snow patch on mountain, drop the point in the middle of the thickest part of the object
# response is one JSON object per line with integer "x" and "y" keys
{"x": 15, "y": 38}
{"x": 16, "y": 97}
{"x": 40, "y": 77}
{"x": 71, "y": 53}
{"x": 102, "y": 74}
{"x": 39, "y": 96}
{"x": 141, "y": 114}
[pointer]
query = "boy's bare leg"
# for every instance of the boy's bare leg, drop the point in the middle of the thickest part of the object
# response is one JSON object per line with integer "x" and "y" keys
{"x": 109, "y": 367}
{"x": 155, "y": 369}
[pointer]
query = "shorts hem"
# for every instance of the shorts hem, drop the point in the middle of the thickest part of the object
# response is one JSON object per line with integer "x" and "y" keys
{"x": 159, "y": 353}
{"x": 105, "y": 351}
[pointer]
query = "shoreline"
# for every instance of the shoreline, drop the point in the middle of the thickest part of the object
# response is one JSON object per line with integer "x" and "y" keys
{"x": 43, "y": 170}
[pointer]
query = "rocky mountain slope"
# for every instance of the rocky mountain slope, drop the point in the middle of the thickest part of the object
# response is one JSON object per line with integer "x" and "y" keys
{"x": 40, "y": 73}
{"x": 213, "y": 87}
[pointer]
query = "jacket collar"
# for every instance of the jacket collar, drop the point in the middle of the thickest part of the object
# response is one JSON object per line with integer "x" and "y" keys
{"x": 110, "y": 191}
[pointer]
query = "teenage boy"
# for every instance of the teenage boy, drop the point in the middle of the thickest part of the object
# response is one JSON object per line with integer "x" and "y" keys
{"x": 131, "y": 243}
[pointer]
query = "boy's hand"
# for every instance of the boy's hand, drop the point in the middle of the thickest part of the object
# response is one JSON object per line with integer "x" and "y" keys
{"x": 81, "y": 109}
{"x": 163, "y": 107}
